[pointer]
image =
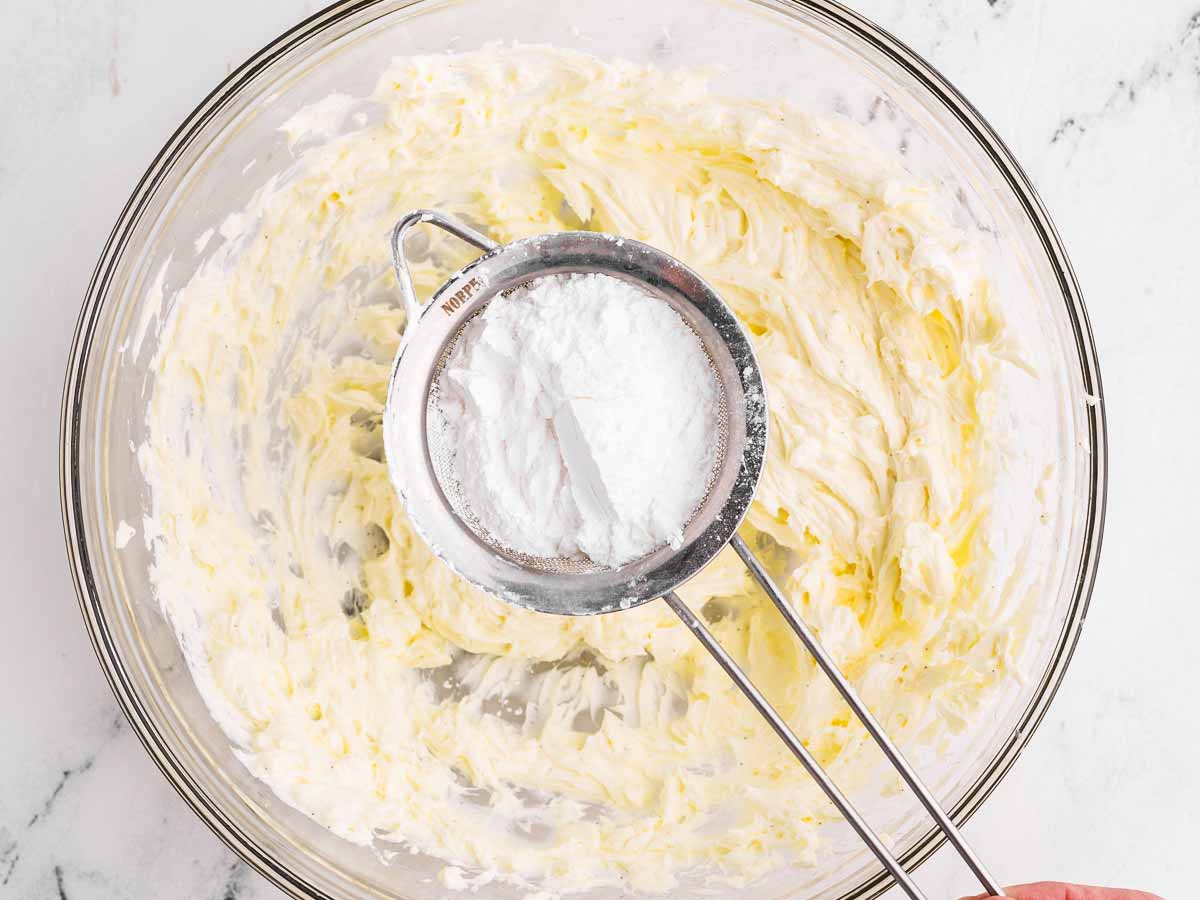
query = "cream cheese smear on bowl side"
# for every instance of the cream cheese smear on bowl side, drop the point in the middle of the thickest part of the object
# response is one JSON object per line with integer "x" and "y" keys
{"x": 372, "y": 689}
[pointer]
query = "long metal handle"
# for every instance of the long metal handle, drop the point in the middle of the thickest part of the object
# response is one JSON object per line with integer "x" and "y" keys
{"x": 432, "y": 217}
{"x": 845, "y": 807}
{"x": 895, "y": 757}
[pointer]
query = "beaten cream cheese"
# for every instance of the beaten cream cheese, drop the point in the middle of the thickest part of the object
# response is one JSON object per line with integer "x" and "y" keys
{"x": 375, "y": 691}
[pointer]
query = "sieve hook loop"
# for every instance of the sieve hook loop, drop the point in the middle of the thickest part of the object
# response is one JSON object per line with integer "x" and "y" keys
{"x": 400, "y": 262}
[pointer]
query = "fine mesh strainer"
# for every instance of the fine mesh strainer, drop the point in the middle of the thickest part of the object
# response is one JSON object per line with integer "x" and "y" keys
{"x": 421, "y": 467}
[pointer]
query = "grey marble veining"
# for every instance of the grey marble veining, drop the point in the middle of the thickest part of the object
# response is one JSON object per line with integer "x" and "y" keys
{"x": 1101, "y": 102}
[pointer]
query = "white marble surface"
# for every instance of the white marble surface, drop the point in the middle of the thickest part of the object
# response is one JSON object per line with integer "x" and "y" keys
{"x": 1101, "y": 101}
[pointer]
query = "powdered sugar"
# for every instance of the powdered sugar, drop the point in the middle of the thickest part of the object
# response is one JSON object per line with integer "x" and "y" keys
{"x": 583, "y": 414}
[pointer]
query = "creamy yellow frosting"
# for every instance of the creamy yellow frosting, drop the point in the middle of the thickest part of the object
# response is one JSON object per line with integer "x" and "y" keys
{"x": 390, "y": 701}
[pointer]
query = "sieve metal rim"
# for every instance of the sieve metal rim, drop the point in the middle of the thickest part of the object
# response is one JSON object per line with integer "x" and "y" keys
{"x": 435, "y": 324}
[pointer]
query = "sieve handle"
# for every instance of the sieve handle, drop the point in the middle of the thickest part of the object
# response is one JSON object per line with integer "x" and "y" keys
{"x": 768, "y": 712}
{"x": 431, "y": 217}
{"x": 889, "y": 748}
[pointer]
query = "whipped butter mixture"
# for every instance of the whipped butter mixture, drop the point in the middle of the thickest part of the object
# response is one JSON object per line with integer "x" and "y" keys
{"x": 396, "y": 705}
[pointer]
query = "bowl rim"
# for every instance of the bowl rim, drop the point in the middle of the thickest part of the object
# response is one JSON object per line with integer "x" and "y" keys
{"x": 832, "y": 13}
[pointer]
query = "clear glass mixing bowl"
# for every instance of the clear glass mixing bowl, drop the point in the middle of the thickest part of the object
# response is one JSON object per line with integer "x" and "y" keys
{"x": 815, "y": 54}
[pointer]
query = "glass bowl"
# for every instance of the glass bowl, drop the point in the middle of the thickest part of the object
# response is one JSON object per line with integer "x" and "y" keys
{"x": 816, "y": 55}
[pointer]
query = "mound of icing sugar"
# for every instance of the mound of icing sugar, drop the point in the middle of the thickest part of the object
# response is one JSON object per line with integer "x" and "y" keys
{"x": 583, "y": 416}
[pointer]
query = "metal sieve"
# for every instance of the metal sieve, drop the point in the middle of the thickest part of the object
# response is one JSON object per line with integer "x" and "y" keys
{"x": 421, "y": 467}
